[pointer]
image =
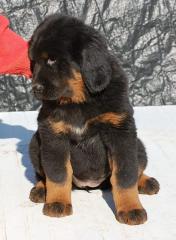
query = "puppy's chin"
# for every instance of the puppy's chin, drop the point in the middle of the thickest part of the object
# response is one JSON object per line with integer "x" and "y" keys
{"x": 60, "y": 100}
{"x": 45, "y": 98}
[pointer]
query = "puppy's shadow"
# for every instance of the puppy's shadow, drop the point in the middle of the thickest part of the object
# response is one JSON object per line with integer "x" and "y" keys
{"x": 107, "y": 196}
{"x": 24, "y": 135}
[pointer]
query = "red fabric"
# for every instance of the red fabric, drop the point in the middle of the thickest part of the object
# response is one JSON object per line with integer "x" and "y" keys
{"x": 13, "y": 51}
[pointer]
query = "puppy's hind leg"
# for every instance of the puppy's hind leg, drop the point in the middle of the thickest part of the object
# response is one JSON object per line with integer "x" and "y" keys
{"x": 146, "y": 185}
{"x": 37, "y": 193}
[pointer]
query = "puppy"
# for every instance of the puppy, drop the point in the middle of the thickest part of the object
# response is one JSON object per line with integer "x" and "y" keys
{"x": 86, "y": 130}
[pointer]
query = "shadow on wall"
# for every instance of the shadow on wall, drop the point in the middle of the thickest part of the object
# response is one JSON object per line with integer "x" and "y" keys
{"x": 23, "y": 135}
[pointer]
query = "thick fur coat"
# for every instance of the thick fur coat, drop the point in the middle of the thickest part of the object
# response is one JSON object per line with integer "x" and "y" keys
{"x": 86, "y": 131}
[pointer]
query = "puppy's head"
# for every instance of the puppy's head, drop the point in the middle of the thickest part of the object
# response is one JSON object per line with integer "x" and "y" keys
{"x": 68, "y": 60}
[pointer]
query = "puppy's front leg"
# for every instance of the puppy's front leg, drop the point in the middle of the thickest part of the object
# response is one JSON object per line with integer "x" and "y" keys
{"x": 58, "y": 197}
{"x": 124, "y": 164}
{"x": 56, "y": 163}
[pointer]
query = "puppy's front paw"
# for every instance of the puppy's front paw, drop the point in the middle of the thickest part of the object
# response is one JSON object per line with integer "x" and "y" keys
{"x": 38, "y": 194}
{"x": 132, "y": 217}
{"x": 57, "y": 209}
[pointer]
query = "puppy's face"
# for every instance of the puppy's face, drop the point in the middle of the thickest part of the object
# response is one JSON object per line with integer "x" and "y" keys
{"x": 56, "y": 76}
{"x": 66, "y": 60}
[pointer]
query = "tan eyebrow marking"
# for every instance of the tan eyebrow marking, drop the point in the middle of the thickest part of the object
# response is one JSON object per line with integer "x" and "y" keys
{"x": 44, "y": 55}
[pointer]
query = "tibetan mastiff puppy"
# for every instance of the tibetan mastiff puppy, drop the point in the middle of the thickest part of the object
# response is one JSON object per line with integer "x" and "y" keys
{"x": 86, "y": 131}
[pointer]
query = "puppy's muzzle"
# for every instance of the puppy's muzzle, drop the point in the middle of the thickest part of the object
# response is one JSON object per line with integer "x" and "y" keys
{"x": 38, "y": 90}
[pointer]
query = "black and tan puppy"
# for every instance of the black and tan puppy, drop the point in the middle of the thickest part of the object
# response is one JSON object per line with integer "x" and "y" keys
{"x": 86, "y": 130}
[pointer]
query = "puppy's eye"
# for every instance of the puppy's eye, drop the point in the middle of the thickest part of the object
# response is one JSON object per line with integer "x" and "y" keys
{"x": 51, "y": 62}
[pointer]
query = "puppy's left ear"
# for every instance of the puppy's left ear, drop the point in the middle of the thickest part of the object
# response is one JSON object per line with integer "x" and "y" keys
{"x": 95, "y": 68}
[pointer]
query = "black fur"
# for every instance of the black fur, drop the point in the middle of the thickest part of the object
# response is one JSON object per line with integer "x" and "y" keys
{"x": 100, "y": 70}
{"x": 72, "y": 45}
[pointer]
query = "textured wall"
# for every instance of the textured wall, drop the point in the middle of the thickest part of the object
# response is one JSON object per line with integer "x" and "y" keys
{"x": 142, "y": 33}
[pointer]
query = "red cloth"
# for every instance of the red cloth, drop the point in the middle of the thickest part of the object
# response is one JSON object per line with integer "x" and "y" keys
{"x": 13, "y": 51}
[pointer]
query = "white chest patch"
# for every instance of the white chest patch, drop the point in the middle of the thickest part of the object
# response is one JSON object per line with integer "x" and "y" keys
{"x": 78, "y": 131}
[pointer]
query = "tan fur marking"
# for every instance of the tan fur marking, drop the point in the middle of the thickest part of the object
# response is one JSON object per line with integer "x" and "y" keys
{"x": 59, "y": 127}
{"x": 142, "y": 180}
{"x": 37, "y": 193}
{"x": 77, "y": 86}
{"x": 109, "y": 117}
{"x": 148, "y": 185}
{"x": 39, "y": 184}
{"x": 62, "y": 127}
{"x": 124, "y": 199}
{"x": 44, "y": 55}
{"x": 60, "y": 192}
{"x": 65, "y": 100}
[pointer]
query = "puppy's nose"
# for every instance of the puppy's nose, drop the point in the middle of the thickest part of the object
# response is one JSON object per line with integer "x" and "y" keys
{"x": 38, "y": 88}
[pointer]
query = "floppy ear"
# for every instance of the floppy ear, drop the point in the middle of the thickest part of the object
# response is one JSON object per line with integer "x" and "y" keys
{"x": 96, "y": 69}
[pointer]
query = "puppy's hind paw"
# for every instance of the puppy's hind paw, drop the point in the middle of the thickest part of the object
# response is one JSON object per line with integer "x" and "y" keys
{"x": 37, "y": 194}
{"x": 150, "y": 186}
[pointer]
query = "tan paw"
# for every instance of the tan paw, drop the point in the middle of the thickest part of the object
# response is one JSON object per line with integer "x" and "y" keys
{"x": 150, "y": 186}
{"x": 132, "y": 217}
{"x": 57, "y": 209}
{"x": 37, "y": 194}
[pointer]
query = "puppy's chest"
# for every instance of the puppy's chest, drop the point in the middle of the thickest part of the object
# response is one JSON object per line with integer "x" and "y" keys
{"x": 61, "y": 120}
{"x": 72, "y": 121}
{"x": 75, "y": 129}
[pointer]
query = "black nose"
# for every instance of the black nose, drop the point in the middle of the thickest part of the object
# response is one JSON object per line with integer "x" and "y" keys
{"x": 38, "y": 88}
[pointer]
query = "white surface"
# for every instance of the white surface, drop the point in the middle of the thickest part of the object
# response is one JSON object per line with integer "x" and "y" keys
{"x": 93, "y": 218}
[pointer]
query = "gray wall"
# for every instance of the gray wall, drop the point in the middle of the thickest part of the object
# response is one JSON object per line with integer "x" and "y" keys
{"x": 142, "y": 34}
